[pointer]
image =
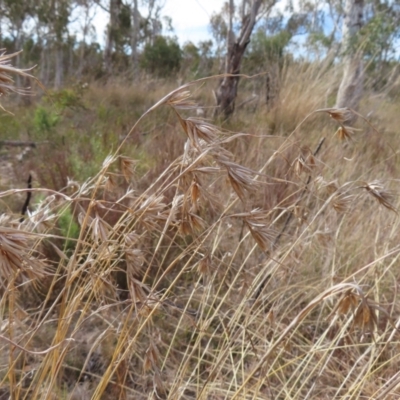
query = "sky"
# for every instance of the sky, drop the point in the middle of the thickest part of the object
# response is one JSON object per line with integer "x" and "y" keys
{"x": 190, "y": 19}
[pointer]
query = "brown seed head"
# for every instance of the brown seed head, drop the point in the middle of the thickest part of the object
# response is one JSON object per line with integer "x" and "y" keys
{"x": 204, "y": 265}
{"x": 344, "y": 132}
{"x": 180, "y": 100}
{"x": 384, "y": 196}
{"x": 15, "y": 255}
{"x": 128, "y": 168}
{"x": 342, "y": 202}
{"x": 340, "y": 115}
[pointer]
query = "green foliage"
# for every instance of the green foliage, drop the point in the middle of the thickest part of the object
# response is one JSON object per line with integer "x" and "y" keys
{"x": 121, "y": 33}
{"x": 318, "y": 40}
{"x": 197, "y": 60}
{"x": 378, "y": 36}
{"x": 219, "y": 28}
{"x": 12, "y": 125}
{"x": 48, "y": 115}
{"x": 44, "y": 120}
{"x": 191, "y": 58}
{"x": 266, "y": 49}
{"x": 163, "y": 57}
{"x": 67, "y": 98}
{"x": 69, "y": 228}
{"x": 31, "y": 52}
{"x": 124, "y": 17}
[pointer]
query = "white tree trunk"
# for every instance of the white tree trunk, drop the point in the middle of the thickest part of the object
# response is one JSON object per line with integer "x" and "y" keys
{"x": 59, "y": 76}
{"x": 114, "y": 9}
{"x": 135, "y": 35}
{"x": 351, "y": 87}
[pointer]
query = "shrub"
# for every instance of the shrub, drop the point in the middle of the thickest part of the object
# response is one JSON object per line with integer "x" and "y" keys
{"x": 163, "y": 57}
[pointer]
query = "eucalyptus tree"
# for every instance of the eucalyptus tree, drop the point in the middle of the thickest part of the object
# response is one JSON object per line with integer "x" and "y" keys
{"x": 351, "y": 86}
{"x": 131, "y": 24}
{"x": 86, "y": 10}
{"x": 363, "y": 38}
{"x": 59, "y": 18}
{"x": 240, "y": 18}
{"x": 380, "y": 36}
{"x": 112, "y": 31}
{"x": 14, "y": 15}
{"x": 135, "y": 34}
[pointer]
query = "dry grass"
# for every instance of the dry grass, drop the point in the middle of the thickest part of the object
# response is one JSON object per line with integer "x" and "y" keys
{"x": 249, "y": 267}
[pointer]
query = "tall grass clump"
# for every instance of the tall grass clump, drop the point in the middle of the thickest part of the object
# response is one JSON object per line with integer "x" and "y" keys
{"x": 250, "y": 267}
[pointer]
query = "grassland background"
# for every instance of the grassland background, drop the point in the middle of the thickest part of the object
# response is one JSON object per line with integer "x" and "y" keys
{"x": 256, "y": 258}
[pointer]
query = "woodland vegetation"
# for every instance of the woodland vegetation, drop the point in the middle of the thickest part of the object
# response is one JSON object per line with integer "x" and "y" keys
{"x": 215, "y": 220}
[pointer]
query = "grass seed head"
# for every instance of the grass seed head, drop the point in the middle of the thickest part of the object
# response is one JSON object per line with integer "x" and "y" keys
{"x": 330, "y": 187}
{"x": 240, "y": 178}
{"x": 300, "y": 165}
{"x": 15, "y": 255}
{"x": 110, "y": 183}
{"x": 184, "y": 228}
{"x": 261, "y": 233}
{"x": 191, "y": 223}
{"x": 41, "y": 219}
{"x": 100, "y": 229}
{"x": 199, "y": 132}
{"x": 348, "y": 302}
{"x": 342, "y": 203}
{"x": 137, "y": 289}
{"x": 195, "y": 193}
{"x": 131, "y": 239}
{"x": 128, "y": 168}
{"x": 204, "y": 265}
{"x": 384, "y": 196}
{"x": 197, "y": 224}
{"x": 340, "y": 115}
{"x": 153, "y": 354}
{"x": 344, "y": 132}
{"x": 134, "y": 261}
{"x": 180, "y": 100}
{"x": 152, "y": 212}
{"x": 204, "y": 130}
{"x": 6, "y": 81}
{"x": 365, "y": 318}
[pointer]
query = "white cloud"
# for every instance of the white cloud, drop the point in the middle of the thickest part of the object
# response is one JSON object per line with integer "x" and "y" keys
{"x": 190, "y": 18}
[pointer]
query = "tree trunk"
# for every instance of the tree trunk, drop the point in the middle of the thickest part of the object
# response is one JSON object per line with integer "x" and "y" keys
{"x": 135, "y": 36}
{"x": 111, "y": 31}
{"x": 227, "y": 90}
{"x": 59, "y": 73}
{"x": 351, "y": 87}
{"x": 82, "y": 49}
{"x": 44, "y": 63}
{"x": 18, "y": 47}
